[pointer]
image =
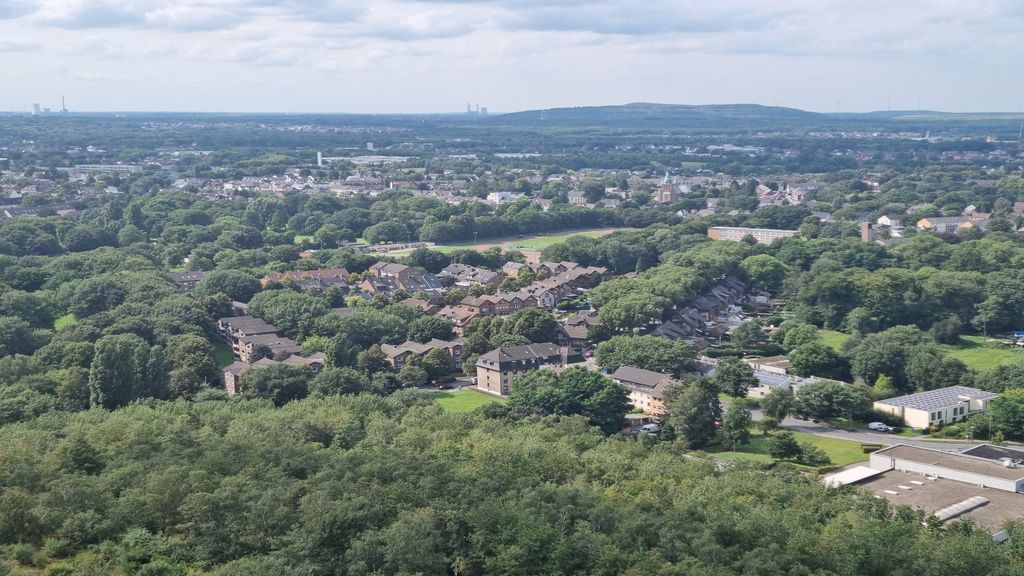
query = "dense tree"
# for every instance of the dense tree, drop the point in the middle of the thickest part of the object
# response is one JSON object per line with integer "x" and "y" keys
{"x": 126, "y": 368}
{"x": 828, "y": 399}
{"x": 734, "y": 377}
{"x": 16, "y": 336}
{"x": 652, "y": 353}
{"x": 235, "y": 284}
{"x": 575, "y": 391}
{"x": 534, "y": 324}
{"x": 335, "y": 381}
{"x": 694, "y": 412}
{"x": 764, "y": 271}
{"x": 428, "y": 327}
{"x": 1007, "y": 412}
{"x": 814, "y": 359}
{"x": 279, "y": 383}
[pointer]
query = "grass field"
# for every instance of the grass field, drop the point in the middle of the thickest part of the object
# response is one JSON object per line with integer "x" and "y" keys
{"x": 842, "y": 452}
{"x": 64, "y": 321}
{"x": 983, "y": 354}
{"x": 535, "y": 242}
{"x": 464, "y": 400}
{"x": 300, "y": 238}
{"x": 222, "y": 354}
{"x": 832, "y": 339}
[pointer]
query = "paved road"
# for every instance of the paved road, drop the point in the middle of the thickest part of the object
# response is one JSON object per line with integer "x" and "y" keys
{"x": 867, "y": 436}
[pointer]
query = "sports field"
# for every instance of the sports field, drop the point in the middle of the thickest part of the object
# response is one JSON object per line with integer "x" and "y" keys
{"x": 535, "y": 242}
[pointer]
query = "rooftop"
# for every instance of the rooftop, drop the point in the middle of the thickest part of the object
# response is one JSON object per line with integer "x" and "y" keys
{"x": 937, "y": 399}
{"x": 953, "y": 461}
{"x": 633, "y": 375}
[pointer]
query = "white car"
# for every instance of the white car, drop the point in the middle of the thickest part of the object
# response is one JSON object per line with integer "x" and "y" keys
{"x": 881, "y": 427}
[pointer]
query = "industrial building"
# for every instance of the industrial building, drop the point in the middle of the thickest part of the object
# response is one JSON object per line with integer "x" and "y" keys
{"x": 761, "y": 235}
{"x": 985, "y": 466}
{"x": 937, "y": 407}
{"x": 982, "y": 484}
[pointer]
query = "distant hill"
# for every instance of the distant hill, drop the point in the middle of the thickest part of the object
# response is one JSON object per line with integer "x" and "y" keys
{"x": 662, "y": 114}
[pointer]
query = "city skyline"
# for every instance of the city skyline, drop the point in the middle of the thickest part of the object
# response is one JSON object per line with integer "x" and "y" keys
{"x": 425, "y": 56}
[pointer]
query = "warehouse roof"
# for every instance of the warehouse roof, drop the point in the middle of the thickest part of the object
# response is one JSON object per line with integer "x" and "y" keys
{"x": 941, "y": 398}
{"x": 953, "y": 461}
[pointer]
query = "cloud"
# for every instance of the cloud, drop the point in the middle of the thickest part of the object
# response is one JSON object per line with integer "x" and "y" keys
{"x": 19, "y": 45}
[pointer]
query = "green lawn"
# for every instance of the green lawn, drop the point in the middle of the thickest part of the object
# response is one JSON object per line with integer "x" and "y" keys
{"x": 300, "y": 238}
{"x": 222, "y": 354}
{"x": 464, "y": 400}
{"x": 833, "y": 339}
{"x": 64, "y": 321}
{"x": 983, "y": 354}
{"x": 842, "y": 452}
{"x": 534, "y": 242}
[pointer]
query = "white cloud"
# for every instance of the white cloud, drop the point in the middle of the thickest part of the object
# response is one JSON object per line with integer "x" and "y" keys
{"x": 19, "y": 45}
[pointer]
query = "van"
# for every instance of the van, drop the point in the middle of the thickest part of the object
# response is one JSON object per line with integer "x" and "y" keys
{"x": 651, "y": 429}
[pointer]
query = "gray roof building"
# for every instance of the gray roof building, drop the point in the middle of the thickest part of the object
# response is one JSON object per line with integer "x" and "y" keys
{"x": 941, "y": 398}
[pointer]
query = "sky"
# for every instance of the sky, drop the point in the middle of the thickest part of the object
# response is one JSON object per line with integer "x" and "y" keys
{"x": 426, "y": 56}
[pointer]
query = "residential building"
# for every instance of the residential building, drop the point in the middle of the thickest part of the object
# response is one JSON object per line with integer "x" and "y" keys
{"x": 941, "y": 225}
{"x": 311, "y": 279}
{"x": 465, "y": 275}
{"x": 647, "y": 389}
{"x": 249, "y": 348}
{"x": 388, "y": 277}
{"x": 761, "y": 235}
{"x": 187, "y": 281}
{"x": 496, "y": 370}
{"x": 937, "y": 407}
{"x": 398, "y": 355}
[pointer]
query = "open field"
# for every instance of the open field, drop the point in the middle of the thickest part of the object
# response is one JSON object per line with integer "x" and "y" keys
{"x": 842, "y": 452}
{"x": 536, "y": 242}
{"x": 464, "y": 400}
{"x": 64, "y": 321}
{"x": 983, "y": 354}
{"x": 300, "y": 238}
{"x": 833, "y": 339}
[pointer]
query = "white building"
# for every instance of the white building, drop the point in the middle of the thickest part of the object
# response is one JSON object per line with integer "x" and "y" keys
{"x": 937, "y": 407}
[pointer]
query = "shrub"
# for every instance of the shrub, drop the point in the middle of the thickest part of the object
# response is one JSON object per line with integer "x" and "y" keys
{"x": 953, "y": 431}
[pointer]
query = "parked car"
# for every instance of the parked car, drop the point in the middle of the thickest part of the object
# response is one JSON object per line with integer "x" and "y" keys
{"x": 881, "y": 427}
{"x": 651, "y": 430}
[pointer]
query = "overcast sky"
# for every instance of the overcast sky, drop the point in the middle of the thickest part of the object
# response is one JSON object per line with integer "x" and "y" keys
{"x": 433, "y": 56}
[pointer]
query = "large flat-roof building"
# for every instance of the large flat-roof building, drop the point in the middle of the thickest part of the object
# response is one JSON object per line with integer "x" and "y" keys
{"x": 937, "y": 407}
{"x": 984, "y": 466}
{"x": 761, "y": 235}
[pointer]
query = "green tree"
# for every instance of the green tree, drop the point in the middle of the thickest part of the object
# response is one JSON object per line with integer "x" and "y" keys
{"x": 534, "y": 324}
{"x": 574, "y": 391}
{"x": 652, "y": 353}
{"x": 1007, "y": 412}
{"x": 235, "y": 284}
{"x": 694, "y": 411}
{"x": 765, "y": 271}
{"x": 799, "y": 335}
{"x": 279, "y": 383}
{"x": 437, "y": 363}
{"x": 778, "y": 404}
{"x": 816, "y": 359}
{"x": 16, "y": 336}
{"x": 749, "y": 335}
{"x": 336, "y": 381}
{"x": 734, "y": 377}
{"x": 783, "y": 446}
{"x": 372, "y": 361}
{"x": 424, "y": 329}
{"x": 126, "y": 368}
{"x": 412, "y": 376}
{"x": 736, "y": 425}
{"x": 828, "y": 399}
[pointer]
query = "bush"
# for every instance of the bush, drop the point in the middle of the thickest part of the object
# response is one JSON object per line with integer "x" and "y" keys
{"x": 953, "y": 431}
{"x": 812, "y": 455}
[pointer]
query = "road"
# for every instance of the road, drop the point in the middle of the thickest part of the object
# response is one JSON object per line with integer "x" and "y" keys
{"x": 867, "y": 436}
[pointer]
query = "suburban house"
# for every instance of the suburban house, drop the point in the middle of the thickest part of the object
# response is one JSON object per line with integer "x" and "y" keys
{"x": 249, "y": 348}
{"x": 233, "y": 372}
{"x": 310, "y": 279}
{"x": 495, "y": 370}
{"x": 937, "y": 407}
{"x": 398, "y": 355}
{"x": 647, "y": 389}
{"x": 465, "y": 275}
{"x": 512, "y": 269}
{"x": 187, "y": 281}
{"x": 388, "y": 277}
